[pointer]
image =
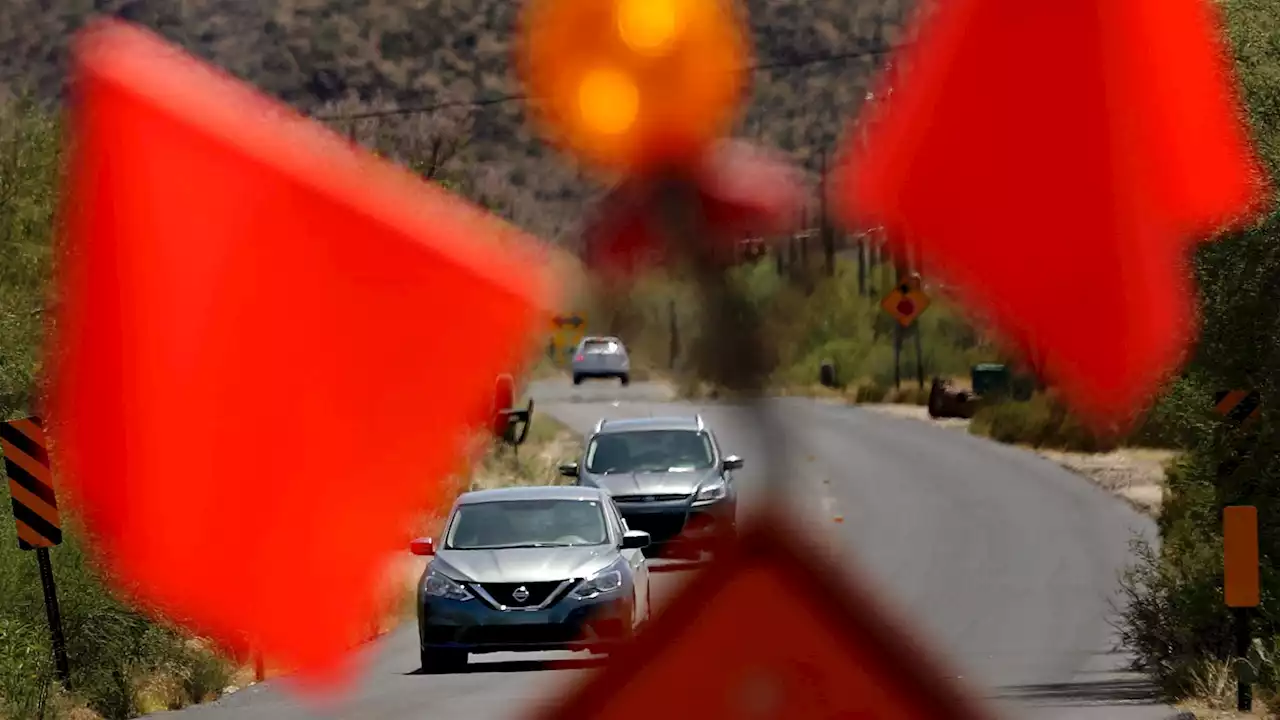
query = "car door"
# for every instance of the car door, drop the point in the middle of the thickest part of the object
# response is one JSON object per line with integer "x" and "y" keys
{"x": 636, "y": 561}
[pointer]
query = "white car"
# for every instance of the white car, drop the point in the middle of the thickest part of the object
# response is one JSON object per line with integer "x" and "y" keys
{"x": 601, "y": 357}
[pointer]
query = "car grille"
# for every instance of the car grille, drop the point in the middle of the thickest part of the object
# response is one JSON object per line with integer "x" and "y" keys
{"x": 504, "y": 634}
{"x": 517, "y": 634}
{"x": 660, "y": 527}
{"x": 538, "y": 592}
{"x": 661, "y": 497}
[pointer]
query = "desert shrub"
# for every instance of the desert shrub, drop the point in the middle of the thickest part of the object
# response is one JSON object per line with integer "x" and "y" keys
{"x": 908, "y": 395}
{"x": 803, "y": 327}
{"x": 1176, "y": 623}
{"x": 1042, "y": 421}
{"x": 110, "y": 645}
{"x": 870, "y": 393}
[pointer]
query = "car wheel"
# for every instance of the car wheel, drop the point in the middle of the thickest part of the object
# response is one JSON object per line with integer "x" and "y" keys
{"x": 443, "y": 660}
{"x": 577, "y": 379}
{"x": 624, "y": 379}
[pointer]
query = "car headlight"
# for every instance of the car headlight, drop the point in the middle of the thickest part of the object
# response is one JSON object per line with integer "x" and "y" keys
{"x": 437, "y": 585}
{"x": 601, "y": 583}
{"x": 715, "y": 490}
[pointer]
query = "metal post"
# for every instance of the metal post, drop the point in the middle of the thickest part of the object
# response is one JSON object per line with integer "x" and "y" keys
{"x": 919, "y": 356}
{"x": 1244, "y": 689}
{"x": 897, "y": 356}
{"x": 824, "y": 225}
{"x": 55, "y": 618}
{"x": 259, "y": 667}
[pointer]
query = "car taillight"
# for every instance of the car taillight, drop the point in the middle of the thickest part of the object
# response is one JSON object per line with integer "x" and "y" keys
{"x": 579, "y": 358}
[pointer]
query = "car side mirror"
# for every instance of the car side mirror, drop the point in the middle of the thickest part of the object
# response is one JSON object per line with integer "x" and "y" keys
{"x": 569, "y": 469}
{"x": 422, "y": 546}
{"x": 635, "y": 540}
{"x": 733, "y": 462}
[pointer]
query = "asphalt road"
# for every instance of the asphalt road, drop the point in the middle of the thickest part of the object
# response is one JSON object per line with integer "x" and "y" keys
{"x": 1005, "y": 563}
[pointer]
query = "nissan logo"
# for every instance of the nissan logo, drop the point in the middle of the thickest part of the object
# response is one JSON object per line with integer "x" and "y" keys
{"x": 521, "y": 594}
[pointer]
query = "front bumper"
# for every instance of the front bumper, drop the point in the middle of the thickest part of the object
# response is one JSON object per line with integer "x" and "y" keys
{"x": 568, "y": 624}
{"x": 679, "y": 525}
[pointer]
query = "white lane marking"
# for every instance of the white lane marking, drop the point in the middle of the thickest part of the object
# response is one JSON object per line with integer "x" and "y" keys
{"x": 829, "y": 511}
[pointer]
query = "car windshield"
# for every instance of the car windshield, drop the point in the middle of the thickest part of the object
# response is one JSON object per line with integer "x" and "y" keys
{"x": 650, "y": 451}
{"x": 527, "y": 523}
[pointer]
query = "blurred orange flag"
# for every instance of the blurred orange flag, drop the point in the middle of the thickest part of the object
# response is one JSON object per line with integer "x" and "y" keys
{"x": 268, "y": 349}
{"x": 1056, "y": 161}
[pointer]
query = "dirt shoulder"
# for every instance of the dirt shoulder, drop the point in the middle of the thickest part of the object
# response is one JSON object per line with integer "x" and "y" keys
{"x": 1134, "y": 474}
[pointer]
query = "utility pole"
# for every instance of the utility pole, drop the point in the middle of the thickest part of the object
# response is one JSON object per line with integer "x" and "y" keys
{"x": 828, "y": 237}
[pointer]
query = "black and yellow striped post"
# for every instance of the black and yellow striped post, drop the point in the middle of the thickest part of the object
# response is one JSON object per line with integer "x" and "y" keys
{"x": 1239, "y": 407}
{"x": 1240, "y": 534}
{"x": 35, "y": 511}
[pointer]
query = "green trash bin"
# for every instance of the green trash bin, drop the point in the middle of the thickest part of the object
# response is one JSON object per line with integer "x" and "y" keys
{"x": 990, "y": 379}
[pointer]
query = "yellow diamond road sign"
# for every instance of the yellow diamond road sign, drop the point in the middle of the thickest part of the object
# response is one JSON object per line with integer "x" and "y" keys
{"x": 568, "y": 329}
{"x": 905, "y": 303}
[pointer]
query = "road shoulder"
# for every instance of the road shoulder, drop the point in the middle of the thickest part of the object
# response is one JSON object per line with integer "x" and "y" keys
{"x": 1135, "y": 475}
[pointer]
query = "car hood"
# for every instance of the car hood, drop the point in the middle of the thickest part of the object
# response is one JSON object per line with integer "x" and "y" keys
{"x": 661, "y": 483}
{"x": 524, "y": 564}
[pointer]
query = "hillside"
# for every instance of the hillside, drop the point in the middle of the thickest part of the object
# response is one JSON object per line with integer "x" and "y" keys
{"x": 352, "y": 56}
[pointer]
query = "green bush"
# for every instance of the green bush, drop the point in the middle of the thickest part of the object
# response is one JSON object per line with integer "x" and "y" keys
{"x": 111, "y": 647}
{"x": 870, "y": 393}
{"x": 803, "y": 326}
{"x": 1176, "y": 621}
{"x": 29, "y": 166}
{"x": 1039, "y": 422}
{"x": 909, "y": 395}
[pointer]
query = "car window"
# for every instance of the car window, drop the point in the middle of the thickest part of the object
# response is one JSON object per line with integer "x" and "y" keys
{"x": 527, "y": 523}
{"x": 650, "y": 451}
{"x": 615, "y": 520}
{"x": 601, "y": 347}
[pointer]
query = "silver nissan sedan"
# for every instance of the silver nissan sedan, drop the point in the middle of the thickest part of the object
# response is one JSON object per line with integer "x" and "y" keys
{"x": 530, "y": 569}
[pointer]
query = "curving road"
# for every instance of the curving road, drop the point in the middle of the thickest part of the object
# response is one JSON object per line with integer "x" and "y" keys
{"x": 1006, "y": 563}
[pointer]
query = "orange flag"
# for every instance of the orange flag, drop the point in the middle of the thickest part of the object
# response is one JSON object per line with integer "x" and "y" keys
{"x": 268, "y": 349}
{"x": 1055, "y": 161}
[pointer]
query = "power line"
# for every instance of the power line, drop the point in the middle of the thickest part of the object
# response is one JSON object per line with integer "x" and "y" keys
{"x": 504, "y": 99}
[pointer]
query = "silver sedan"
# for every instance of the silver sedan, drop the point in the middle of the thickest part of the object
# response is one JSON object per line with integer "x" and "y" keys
{"x": 530, "y": 569}
{"x": 601, "y": 357}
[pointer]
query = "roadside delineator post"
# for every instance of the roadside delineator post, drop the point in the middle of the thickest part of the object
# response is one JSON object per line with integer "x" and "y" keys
{"x": 1241, "y": 588}
{"x": 35, "y": 511}
{"x": 1241, "y": 581}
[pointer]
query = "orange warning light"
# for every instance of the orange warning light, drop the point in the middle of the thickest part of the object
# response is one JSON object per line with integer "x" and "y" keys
{"x": 631, "y": 84}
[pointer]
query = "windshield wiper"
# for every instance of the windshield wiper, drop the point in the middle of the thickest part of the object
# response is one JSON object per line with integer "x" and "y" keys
{"x": 517, "y": 545}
